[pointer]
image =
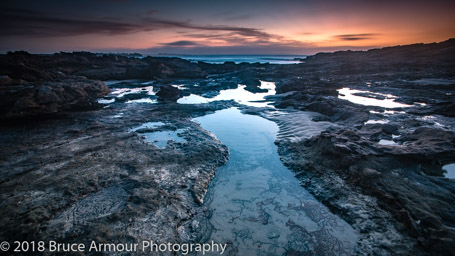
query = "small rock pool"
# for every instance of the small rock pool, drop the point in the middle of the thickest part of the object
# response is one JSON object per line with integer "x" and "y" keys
{"x": 369, "y": 98}
{"x": 158, "y": 138}
{"x": 449, "y": 171}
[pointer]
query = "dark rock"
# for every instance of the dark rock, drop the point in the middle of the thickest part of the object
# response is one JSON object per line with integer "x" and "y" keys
{"x": 369, "y": 172}
{"x": 168, "y": 93}
{"x": 393, "y": 175}
{"x": 48, "y": 97}
{"x": 428, "y": 144}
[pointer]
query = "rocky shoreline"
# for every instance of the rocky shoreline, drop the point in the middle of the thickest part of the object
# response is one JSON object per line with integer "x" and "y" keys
{"x": 74, "y": 169}
{"x": 94, "y": 178}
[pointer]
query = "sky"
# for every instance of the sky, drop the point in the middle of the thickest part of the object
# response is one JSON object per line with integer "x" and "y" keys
{"x": 221, "y": 27}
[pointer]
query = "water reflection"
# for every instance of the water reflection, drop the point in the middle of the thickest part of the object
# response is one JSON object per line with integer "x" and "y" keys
{"x": 239, "y": 95}
{"x": 143, "y": 100}
{"x": 381, "y": 100}
{"x": 387, "y": 142}
{"x": 257, "y": 203}
{"x": 449, "y": 171}
{"x": 120, "y": 92}
{"x": 158, "y": 138}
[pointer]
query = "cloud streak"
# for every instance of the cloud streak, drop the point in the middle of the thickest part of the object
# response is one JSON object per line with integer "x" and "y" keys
{"x": 241, "y": 31}
{"x": 182, "y": 43}
{"x": 16, "y": 22}
{"x": 356, "y": 37}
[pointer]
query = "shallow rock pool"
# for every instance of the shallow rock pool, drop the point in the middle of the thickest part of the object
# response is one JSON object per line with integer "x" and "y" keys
{"x": 257, "y": 204}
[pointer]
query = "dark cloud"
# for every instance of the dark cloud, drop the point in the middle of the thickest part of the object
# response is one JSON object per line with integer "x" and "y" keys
{"x": 182, "y": 43}
{"x": 241, "y": 31}
{"x": 35, "y": 24}
{"x": 227, "y": 37}
{"x": 24, "y": 22}
{"x": 356, "y": 37}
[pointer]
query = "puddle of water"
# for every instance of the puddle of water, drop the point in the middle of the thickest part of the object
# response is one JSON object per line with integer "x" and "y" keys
{"x": 431, "y": 119}
{"x": 387, "y": 112}
{"x": 387, "y": 143}
{"x": 392, "y": 112}
{"x": 387, "y": 102}
{"x": 449, "y": 171}
{"x": 159, "y": 138}
{"x": 120, "y": 92}
{"x": 149, "y": 125}
{"x": 376, "y": 122}
{"x": 258, "y": 204}
{"x": 118, "y": 115}
{"x": 193, "y": 99}
{"x": 105, "y": 101}
{"x": 148, "y": 83}
{"x": 144, "y": 100}
{"x": 239, "y": 95}
{"x": 179, "y": 86}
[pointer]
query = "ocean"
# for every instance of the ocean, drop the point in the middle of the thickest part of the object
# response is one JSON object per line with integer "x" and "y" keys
{"x": 220, "y": 59}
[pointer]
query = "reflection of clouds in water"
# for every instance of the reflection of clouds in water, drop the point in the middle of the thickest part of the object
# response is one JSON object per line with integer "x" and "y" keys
{"x": 145, "y": 100}
{"x": 387, "y": 102}
{"x": 239, "y": 95}
{"x": 376, "y": 122}
{"x": 149, "y": 125}
{"x": 104, "y": 101}
{"x": 120, "y": 92}
{"x": 387, "y": 143}
{"x": 179, "y": 86}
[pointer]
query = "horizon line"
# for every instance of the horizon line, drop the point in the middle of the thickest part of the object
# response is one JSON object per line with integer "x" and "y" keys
{"x": 137, "y": 51}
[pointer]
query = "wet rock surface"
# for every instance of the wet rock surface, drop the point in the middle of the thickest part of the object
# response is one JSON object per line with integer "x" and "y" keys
{"x": 393, "y": 193}
{"x": 94, "y": 178}
{"x": 348, "y": 171}
{"x": 81, "y": 173}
